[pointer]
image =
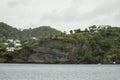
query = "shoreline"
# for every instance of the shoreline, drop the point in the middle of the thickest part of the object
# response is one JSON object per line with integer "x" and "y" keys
{"x": 58, "y": 63}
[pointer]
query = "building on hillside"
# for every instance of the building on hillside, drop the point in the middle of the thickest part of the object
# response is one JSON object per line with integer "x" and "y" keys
{"x": 6, "y": 43}
{"x": 17, "y": 45}
{"x": 10, "y": 40}
{"x": 10, "y": 49}
{"x": 34, "y": 38}
{"x": 17, "y": 41}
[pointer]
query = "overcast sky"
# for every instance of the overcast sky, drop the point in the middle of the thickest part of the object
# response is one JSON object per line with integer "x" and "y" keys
{"x": 60, "y": 14}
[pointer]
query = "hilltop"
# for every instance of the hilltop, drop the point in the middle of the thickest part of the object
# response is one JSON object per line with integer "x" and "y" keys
{"x": 40, "y": 32}
{"x": 9, "y": 32}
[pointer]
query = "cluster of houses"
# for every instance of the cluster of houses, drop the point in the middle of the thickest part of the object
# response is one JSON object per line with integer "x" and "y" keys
{"x": 12, "y": 45}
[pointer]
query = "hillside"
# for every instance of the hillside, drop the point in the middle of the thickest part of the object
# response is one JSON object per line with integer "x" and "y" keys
{"x": 97, "y": 44}
{"x": 8, "y": 32}
{"x": 40, "y": 32}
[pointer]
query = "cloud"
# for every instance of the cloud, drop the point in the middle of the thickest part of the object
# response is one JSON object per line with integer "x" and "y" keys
{"x": 60, "y": 13}
{"x": 15, "y": 3}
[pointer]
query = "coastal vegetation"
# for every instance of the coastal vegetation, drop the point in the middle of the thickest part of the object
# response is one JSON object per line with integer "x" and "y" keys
{"x": 95, "y": 44}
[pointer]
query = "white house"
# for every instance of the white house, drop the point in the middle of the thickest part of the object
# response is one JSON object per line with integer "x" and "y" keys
{"x": 10, "y": 49}
{"x": 10, "y": 40}
{"x": 6, "y": 44}
{"x": 17, "y": 41}
{"x": 17, "y": 45}
{"x": 34, "y": 38}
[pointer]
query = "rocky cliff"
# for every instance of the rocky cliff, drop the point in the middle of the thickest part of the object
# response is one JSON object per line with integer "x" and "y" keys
{"x": 52, "y": 51}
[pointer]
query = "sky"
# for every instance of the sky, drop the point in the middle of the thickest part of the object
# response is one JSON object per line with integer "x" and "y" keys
{"x": 63, "y": 15}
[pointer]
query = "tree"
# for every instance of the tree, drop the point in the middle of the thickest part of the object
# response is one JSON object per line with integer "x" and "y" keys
{"x": 93, "y": 28}
{"x": 77, "y": 30}
{"x": 86, "y": 30}
{"x": 71, "y": 31}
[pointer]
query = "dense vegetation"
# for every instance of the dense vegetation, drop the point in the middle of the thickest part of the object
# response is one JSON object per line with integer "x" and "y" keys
{"x": 104, "y": 43}
{"x": 97, "y": 44}
{"x": 40, "y": 32}
{"x": 8, "y": 32}
{"x": 100, "y": 44}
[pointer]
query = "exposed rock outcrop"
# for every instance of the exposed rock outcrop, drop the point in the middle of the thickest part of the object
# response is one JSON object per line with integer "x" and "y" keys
{"x": 53, "y": 51}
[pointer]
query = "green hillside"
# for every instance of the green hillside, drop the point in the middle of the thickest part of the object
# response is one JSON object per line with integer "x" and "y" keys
{"x": 96, "y": 44}
{"x": 93, "y": 45}
{"x": 8, "y": 32}
{"x": 40, "y": 32}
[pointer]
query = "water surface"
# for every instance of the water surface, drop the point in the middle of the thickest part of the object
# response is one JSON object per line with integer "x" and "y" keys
{"x": 59, "y": 72}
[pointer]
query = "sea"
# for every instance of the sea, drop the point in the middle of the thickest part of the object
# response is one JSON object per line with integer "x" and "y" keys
{"x": 59, "y": 72}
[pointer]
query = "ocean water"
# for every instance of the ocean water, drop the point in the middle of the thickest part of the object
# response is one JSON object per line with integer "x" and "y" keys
{"x": 59, "y": 72}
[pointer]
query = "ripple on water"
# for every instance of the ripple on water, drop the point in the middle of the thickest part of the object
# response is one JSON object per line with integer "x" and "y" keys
{"x": 58, "y": 72}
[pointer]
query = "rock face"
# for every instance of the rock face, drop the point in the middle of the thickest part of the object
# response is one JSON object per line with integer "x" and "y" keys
{"x": 53, "y": 51}
{"x": 3, "y": 60}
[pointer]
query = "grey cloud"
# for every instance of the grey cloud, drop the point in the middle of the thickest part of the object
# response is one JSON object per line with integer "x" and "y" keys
{"x": 14, "y": 3}
{"x": 77, "y": 2}
{"x": 60, "y": 16}
{"x": 117, "y": 16}
{"x": 29, "y": 13}
{"x": 73, "y": 14}
{"x": 105, "y": 9}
